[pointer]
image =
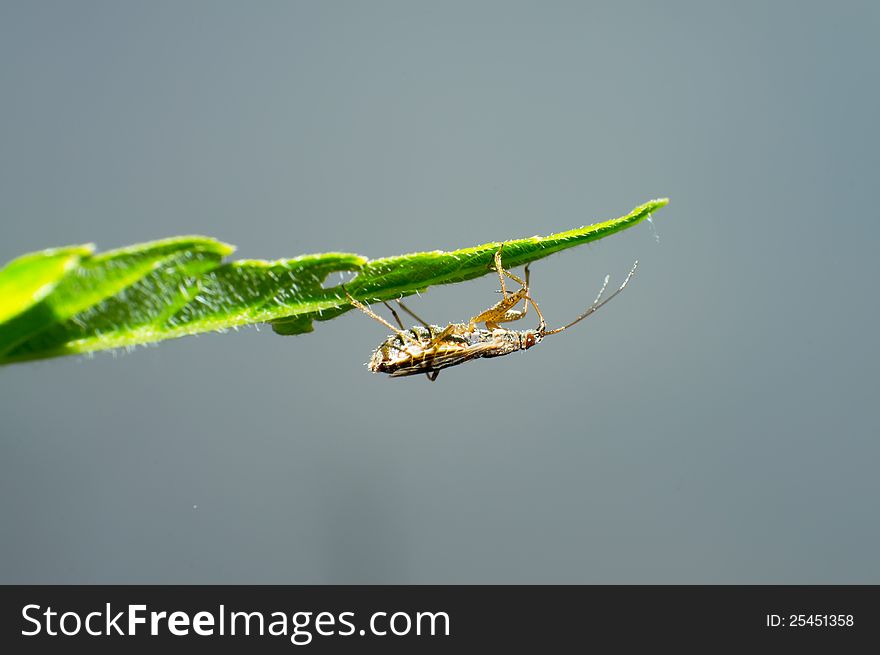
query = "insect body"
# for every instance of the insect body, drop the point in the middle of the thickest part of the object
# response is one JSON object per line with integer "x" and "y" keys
{"x": 398, "y": 356}
{"x": 429, "y": 348}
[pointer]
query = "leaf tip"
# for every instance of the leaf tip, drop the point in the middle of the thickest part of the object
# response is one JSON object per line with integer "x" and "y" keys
{"x": 656, "y": 203}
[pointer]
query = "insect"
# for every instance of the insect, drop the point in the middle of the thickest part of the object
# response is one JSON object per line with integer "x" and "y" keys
{"x": 430, "y": 348}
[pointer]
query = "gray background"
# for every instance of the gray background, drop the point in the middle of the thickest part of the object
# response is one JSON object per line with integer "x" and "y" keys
{"x": 716, "y": 423}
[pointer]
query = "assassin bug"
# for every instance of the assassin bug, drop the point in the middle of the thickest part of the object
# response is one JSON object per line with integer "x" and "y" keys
{"x": 429, "y": 348}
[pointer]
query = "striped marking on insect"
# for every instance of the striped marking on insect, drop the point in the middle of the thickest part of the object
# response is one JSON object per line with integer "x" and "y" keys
{"x": 430, "y": 348}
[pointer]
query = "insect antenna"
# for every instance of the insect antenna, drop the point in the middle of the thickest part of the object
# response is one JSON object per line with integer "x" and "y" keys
{"x": 596, "y": 303}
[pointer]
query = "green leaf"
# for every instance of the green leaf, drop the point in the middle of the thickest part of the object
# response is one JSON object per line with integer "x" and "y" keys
{"x": 175, "y": 287}
{"x": 80, "y": 294}
{"x": 27, "y": 280}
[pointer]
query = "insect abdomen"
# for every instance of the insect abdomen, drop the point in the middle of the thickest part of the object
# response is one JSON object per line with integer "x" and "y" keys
{"x": 398, "y": 359}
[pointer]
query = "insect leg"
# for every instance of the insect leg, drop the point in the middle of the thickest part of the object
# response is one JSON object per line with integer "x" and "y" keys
{"x": 503, "y": 311}
{"x": 369, "y": 312}
{"x": 517, "y": 279}
{"x": 500, "y": 270}
{"x": 542, "y": 326}
{"x": 433, "y": 375}
{"x": 524, "y": 293}
{"x": 440, "y": 336}
{"x": 413, "y": 314}
{"x": 526, "y": 304}
{"x": 503, "y": 271}
{"x": 394, "y": 314}
{"x": 410, "y": 312}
